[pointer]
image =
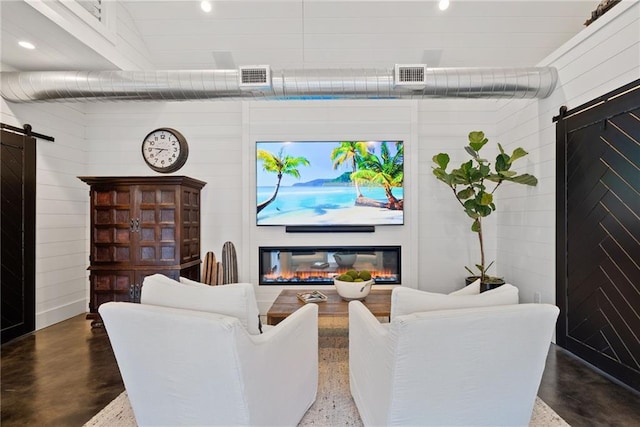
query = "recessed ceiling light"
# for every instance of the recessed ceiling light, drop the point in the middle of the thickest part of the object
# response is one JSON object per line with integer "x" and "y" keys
{"x": 443, "y": 5}
{"x": 26, "y": 45}
{"x": 206, "y": 6}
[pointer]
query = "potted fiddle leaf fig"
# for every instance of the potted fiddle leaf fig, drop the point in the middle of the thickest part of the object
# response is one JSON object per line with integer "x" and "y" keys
{"x": 469, "y": 183}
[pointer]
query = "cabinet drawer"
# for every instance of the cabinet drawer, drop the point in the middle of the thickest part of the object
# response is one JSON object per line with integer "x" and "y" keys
{"x": 112, "y": 280}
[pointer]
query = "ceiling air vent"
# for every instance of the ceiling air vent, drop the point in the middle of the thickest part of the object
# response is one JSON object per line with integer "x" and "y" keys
{"x": 255, "y": 76}
{"x": 414, "y": 75}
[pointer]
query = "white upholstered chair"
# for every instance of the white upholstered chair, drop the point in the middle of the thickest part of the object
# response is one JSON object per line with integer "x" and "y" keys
{"x": 183, "y": 366}
{"x": 406, "y": 300}
{"x": 477, "y": 366}
{"x": 235, "y": 300}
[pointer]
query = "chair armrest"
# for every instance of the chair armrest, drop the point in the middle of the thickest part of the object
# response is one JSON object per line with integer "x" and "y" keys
{"x": 370, "y": 364}
{"x": 280, "y": 368}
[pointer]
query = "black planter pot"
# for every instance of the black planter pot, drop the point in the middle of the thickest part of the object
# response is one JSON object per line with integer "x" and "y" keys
{"x": 487, "y": 285}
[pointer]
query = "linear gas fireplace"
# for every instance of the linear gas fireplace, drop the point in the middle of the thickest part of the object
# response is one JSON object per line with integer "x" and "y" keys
{"x": 317, "y": 265}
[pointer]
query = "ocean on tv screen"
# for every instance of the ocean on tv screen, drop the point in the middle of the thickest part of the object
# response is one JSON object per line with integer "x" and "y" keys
{"x": 325, "y": 206}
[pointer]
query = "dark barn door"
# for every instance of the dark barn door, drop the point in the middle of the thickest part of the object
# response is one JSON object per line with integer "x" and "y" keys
{"x": 598, "y": 253}
{"x": 18, "y": 190}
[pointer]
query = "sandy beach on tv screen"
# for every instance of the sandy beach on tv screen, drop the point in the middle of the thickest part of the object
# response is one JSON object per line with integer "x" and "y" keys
{"x": 355, "y": 215}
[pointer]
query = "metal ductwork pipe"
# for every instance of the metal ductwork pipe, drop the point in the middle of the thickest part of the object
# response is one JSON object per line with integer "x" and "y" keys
{"x": 285, "y": 84}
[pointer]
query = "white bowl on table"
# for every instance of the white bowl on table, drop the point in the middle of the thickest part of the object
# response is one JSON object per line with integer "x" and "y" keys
{"x": 350, "y": 291}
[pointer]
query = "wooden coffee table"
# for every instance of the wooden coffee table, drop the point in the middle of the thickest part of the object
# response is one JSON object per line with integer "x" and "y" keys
{"x": 378, "y": 302}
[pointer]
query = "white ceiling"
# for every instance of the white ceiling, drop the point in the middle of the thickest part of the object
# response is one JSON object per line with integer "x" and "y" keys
{"x": 290, "y": 34}
{"x": 57, "y": 49}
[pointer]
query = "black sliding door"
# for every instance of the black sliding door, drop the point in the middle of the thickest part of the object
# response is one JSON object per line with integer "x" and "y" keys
{"x": 598, "y": 241}
{"x": 18, "y": 190}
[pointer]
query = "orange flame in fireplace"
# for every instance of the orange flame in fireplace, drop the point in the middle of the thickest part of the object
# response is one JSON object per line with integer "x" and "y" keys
{"x": 315, "y": 274}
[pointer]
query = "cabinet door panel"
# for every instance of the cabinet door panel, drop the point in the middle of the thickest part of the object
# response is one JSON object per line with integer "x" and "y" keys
{"x": 168, "y": 196}
{"x": 168, "y": 234}
{"x": 122, "y": 254}
{"x": 148, "y": 215}
{"x": 147, "y": 253}
{"x": 167, "y": 215}
{"x": 122, "y": 235}
{"x": 190, "y": 225}
{"x": 111, "y": 225}
{"x": 168, "y": 253}
{"x": 159, "y": 221}
{"x": 109, "y": 286}
{"x": 147, "y": 194}
{"x": 147, "y": 234}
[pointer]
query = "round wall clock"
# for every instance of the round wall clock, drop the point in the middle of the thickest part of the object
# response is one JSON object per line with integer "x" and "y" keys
{"x": 165, "y": 150}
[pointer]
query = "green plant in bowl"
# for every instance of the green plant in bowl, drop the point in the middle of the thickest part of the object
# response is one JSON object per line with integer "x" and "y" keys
{"x": 353, "y": 285}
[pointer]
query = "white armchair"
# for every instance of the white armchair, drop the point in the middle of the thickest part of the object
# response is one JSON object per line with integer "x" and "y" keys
{"x": 472, "y": 366}
{"x": 235, "y": 300}
{"x": 189, "y": 366}
{"x": 184, "y": 367}
{"x": 406, "y": 300}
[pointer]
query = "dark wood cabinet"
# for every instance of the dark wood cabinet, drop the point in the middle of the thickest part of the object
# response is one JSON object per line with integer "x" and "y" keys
{"x": 141, "y": 226}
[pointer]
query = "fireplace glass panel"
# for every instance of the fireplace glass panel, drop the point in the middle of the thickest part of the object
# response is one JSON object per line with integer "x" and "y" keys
{"x": 310, "y": 265}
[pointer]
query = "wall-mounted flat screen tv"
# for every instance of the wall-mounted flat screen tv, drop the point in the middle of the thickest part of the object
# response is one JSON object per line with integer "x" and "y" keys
{"x": 318, "y": 183}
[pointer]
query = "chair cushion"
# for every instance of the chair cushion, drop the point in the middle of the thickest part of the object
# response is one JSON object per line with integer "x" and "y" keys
{"x": 236, "y": 299}
{"x": 186, "y": 281}
{"x": 407, "y": 300}
{"x": 472, "y": 288}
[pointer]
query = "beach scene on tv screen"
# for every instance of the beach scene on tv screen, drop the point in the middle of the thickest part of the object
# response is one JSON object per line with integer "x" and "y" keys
{"x": 330, "y": 182}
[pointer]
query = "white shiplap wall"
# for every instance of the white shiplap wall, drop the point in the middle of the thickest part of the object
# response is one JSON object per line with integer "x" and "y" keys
{"x": 129, "y": 42}
{"x": 221, "y": 138}
{"x": 213, "y": 130}
{"x": 447, "y": 243}
{"x": 61, "y": 208}
{"x": 605, "y": 56}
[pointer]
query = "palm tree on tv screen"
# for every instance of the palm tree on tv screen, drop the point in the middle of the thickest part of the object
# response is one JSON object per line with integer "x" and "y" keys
{"x": 386, "y": 170}
{"x": 279, "y": 164}
{"x": 349, "y": 152}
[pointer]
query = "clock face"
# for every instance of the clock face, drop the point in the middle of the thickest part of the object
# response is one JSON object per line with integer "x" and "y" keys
{"x": 165, "y": 150}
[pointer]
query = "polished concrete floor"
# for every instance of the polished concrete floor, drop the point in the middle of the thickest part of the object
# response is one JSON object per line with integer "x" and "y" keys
{"x": 64, "y": 374}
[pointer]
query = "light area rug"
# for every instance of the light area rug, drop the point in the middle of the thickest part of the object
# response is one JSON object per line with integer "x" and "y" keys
{"x": 334, "y": 404}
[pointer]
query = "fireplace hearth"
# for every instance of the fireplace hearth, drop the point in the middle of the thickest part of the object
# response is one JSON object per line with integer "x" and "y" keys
{"x": 317, "y": 265}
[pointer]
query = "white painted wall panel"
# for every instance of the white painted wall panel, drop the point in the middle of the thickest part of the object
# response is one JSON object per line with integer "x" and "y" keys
{"x": 61, "y": 211}
{"x": 447, "y": 243}
{"x": 129, "y": 41}
{"x": 213, "y": 130}
{"x": 605, "y": 56}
